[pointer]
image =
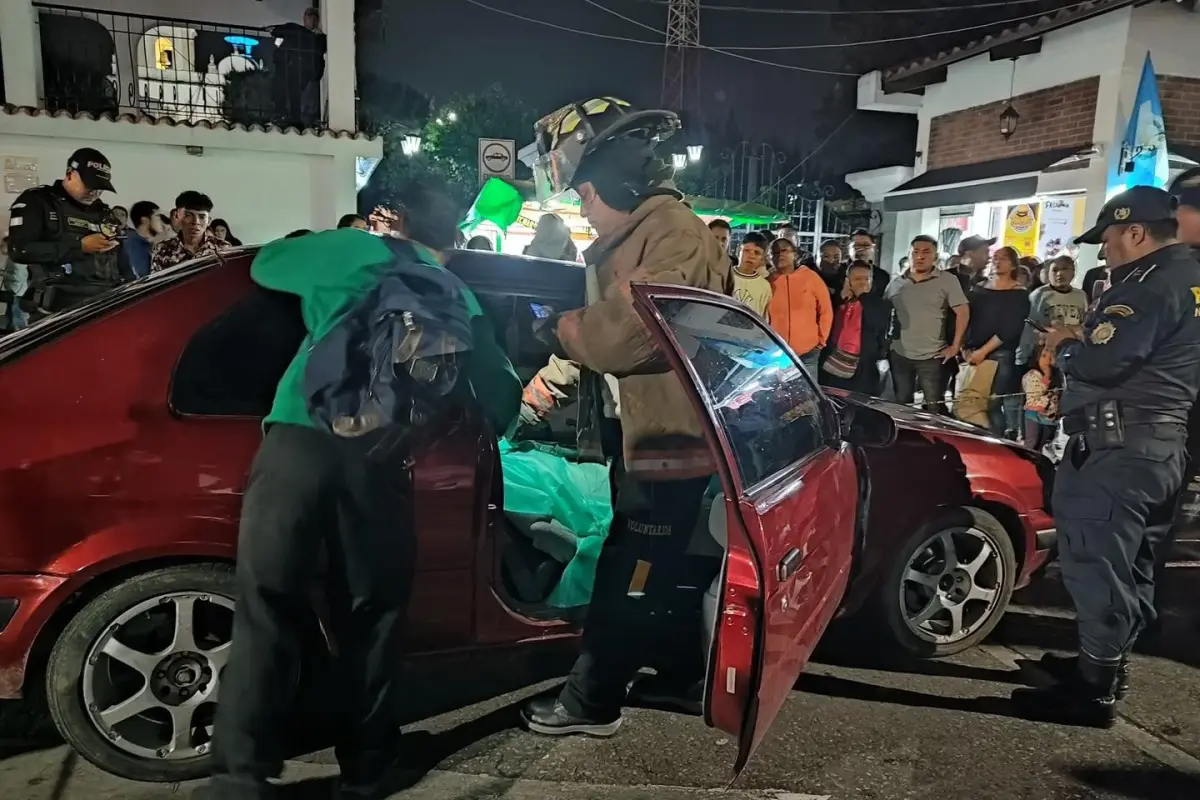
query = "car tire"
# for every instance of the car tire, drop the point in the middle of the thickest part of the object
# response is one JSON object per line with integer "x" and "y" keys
{"x": 896, "y": 614}
{"x": 70, "y": 655}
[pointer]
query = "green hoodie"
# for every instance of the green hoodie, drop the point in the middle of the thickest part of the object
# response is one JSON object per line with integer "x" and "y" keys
{"x": 330, "y": 271}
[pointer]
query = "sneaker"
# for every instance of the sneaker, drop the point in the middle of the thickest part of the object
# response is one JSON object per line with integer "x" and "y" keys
{"x": 548, "y": 717}
{"x": 1066, "y": 668}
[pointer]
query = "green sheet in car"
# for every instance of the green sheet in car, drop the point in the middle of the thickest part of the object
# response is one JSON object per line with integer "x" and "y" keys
{"x": 564, "y": 506}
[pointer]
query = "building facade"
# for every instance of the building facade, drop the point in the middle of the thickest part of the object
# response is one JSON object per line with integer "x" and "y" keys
{"x": 220, "y": 105}
{"x": 1072, "y": 77}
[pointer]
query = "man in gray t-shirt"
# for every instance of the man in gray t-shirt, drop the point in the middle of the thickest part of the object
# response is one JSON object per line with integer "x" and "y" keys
{"x": 922, "y": 297}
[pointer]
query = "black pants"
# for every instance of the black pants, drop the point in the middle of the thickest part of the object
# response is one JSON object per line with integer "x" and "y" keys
{"x": 636, "y": 603}
{"x": 1113, "y": 509}
{"x": 908, "y": 373}
{"x": 309, "y": 491}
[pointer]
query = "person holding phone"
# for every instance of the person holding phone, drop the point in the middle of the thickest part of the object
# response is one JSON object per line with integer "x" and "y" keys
{"x": 66, "y": 234}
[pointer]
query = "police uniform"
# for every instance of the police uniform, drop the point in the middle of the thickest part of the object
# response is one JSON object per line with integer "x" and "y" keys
{"x": 46, "y": 226}
{"x": 1131, "y": 381}
{"x": 1186, "y": 191}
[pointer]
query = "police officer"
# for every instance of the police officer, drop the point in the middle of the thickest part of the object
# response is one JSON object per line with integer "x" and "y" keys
{"x": 1186, "y": 191}
{"x": 1132, "y": 374}
{"x": 66, "y": 234}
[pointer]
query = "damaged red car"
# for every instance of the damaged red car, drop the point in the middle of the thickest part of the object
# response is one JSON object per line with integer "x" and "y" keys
{"x": 130, "y": 424}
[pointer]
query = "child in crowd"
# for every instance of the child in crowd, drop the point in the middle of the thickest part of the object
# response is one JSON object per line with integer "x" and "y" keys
{"x": 1041, "y": 385}
{"x": 1058, "y": 304}
{"x": 750, "y": 284}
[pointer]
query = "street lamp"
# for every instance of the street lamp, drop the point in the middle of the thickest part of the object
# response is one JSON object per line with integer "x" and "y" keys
{"x": 410, "y": 145}
{"x": 680, "y": 160}
{"x": 694, "y": 152}
{"x": 1009, "y": 119}
{"x": 452, "y": 116}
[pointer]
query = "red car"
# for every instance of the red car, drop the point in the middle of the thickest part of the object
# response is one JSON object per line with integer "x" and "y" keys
{"x": 121, "y": 490}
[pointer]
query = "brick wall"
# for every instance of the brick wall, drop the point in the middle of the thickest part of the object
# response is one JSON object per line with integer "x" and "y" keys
{"x": 1061, "y": 116}
{"x": 1181, "y": 108}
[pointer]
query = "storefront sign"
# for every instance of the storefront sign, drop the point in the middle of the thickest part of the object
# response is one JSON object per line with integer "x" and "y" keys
{"x": 1021, "y": 228}
{"x": 1057, "y": 226}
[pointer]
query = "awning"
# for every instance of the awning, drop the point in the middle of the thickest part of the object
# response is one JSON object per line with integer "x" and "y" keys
{"x": 986, "y": 182}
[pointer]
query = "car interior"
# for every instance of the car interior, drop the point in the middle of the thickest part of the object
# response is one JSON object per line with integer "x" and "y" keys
{"x": 219, "y": 375}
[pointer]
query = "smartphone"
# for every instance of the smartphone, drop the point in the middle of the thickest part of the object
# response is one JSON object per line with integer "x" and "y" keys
{"x": 540, "y": 311}
{"x": 1037, "y": 326}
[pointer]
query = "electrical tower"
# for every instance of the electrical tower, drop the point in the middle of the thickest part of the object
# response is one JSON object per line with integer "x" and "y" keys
{"x": 681, "y": 57}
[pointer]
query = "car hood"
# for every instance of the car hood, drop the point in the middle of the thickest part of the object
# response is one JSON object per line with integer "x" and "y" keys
{"x": 917, "y": 420}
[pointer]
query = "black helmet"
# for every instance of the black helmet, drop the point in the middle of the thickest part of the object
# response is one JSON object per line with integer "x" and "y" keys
{"x": 1186, "y": 188}
{"x": 566, "y": 137}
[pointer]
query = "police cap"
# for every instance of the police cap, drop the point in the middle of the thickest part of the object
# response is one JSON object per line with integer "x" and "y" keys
{"x": 94, "y": 169}
{"x": 1186, "y": 188}
{"x": 1139, "y": 204}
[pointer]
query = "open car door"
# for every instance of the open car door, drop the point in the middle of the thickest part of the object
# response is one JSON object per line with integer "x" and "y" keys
{"x": 791, "y": 494}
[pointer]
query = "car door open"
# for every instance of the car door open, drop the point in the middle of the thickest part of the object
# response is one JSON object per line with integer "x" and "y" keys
{"x": 790, "y": 492}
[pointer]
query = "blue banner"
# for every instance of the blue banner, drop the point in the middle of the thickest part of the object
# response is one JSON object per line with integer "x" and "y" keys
{"x": 1144, "y": 148}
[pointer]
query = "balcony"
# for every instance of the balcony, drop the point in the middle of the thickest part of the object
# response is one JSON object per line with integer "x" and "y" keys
{"x": 102, "y": 62}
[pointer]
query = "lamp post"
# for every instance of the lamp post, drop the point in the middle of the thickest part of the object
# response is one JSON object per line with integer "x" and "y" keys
{"x": 695, "y": 152}
{"x": 410, "y": 145}
{"x": 679, "y": 160}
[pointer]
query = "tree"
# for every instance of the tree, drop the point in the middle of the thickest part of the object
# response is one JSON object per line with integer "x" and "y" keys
{"x": 450, "y": 137}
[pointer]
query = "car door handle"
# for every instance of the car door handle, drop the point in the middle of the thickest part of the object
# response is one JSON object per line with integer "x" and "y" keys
{"x": 789, "y": 564}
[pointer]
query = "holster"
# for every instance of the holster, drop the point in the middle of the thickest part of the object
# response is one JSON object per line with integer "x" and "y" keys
{"x": 1102, "y": 422}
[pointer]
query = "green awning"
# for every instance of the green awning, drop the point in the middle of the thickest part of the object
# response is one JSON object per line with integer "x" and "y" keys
{"x": 755, "y": 214}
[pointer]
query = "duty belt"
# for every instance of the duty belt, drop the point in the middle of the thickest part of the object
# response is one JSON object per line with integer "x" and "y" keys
{"x": 1110, "y": 417}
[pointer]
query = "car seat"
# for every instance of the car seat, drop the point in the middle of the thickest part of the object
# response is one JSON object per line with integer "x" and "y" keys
{"x": 718, "y": 535}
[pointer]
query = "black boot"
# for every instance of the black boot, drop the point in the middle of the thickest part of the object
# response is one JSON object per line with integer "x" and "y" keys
{"x": 547, "y": 716}
{"x": 1085, "y": 700}
{"x": 1065, "y": 668}
{"x": 668, "y": 692}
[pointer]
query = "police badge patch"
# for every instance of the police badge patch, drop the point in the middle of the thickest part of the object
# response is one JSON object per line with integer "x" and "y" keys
{"x": 1103, "y": 333}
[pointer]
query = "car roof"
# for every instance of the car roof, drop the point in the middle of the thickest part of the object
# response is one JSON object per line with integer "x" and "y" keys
{"x": 484, "y": 272}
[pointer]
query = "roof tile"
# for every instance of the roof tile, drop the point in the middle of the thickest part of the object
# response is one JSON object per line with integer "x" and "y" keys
{"x": 220, "y": 125}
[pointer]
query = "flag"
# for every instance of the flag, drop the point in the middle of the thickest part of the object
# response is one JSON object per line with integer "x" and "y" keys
{"x": 1144, "y": 148}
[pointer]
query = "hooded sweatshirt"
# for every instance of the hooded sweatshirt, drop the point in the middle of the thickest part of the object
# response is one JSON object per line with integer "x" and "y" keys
{"x": 331, "y": 271}
{"x": 753, "y": 290}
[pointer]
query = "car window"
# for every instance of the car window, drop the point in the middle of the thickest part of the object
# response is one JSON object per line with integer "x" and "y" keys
{"x": 769, "y": 408}
{"x": 232, "y": 365}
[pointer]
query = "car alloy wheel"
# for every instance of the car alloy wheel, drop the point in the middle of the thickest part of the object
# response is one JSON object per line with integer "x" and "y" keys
{"x": 951, "y": 585}
{"x": 151, "y": 680}
{"x": 133, "y": 679}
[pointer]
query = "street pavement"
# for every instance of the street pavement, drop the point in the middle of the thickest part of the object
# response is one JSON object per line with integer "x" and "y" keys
{"x": 858, "y": 727}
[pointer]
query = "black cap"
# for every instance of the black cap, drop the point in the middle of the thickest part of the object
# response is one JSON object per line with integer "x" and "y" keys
{"x": 94, "y": 169}
{"x": 1139, "y": 204}
{"x": 974, "y": 243}
{"x": 1186, "y": 188}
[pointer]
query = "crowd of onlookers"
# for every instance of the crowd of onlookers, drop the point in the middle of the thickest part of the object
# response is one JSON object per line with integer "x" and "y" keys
{"x": 962, "y": 330}
{"x": 957, "y": 328}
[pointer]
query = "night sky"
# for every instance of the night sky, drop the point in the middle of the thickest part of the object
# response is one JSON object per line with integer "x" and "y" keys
{"x": 442, "y": 47}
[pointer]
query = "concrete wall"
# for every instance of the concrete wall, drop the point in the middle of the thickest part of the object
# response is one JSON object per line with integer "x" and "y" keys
{"x": 263, "y": 195}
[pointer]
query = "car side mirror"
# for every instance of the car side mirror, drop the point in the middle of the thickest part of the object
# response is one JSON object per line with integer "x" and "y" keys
{"x": 867, "y": 427}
